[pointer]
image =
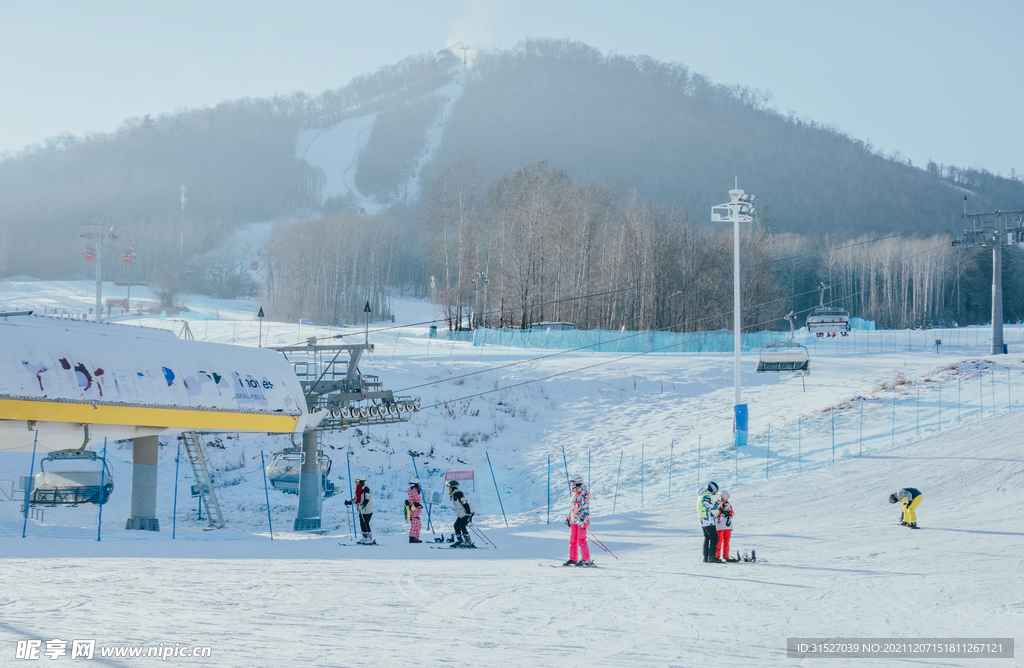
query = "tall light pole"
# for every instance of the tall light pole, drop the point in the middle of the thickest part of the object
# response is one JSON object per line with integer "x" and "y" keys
{"x": 480, "y": 282}
{"x": 739, "y": 209}
{"x": 181, "y": 225}
{"x": 989, "y": 230}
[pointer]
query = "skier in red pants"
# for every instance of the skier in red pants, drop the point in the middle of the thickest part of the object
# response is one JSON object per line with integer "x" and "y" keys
{"x": 723, "y": 524}
{"x": 578, "y": 521}
{"x": 414, "y": 506}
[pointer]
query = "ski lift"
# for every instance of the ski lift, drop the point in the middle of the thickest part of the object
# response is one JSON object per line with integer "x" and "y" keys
{"x": 784, "y": 355}
{"x": 127, "y": 256}
{"x": 90, "y": 253}
{"x": 73, "y": 486}
{"x": 828, "y": 320}
{"x": 284, "y": 469}
{"x": 255, "y": 266}
{"x": 216, "y": 271}
{"x": 188, "y": 270}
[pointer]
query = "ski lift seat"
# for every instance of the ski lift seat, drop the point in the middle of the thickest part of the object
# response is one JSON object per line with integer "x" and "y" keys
{"x": 828, "y": 320}
{"x": 72, "y": 487}
{"x": 285, "y": 468}
{"x": 784, "y": 356}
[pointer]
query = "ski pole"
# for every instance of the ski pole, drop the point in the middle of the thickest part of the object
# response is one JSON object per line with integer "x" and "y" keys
{"x": 597, "y": 544}
{"x": 482, "y": 535}
{"x": 603, "y": 546}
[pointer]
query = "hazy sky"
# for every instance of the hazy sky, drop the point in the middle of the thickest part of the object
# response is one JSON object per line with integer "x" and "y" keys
{"x": 937, "y": 79}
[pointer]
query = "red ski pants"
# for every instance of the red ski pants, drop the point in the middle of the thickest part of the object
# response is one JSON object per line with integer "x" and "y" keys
{"x": 578, "y": 537}
{"x": 723, "y": 543}
{"x": 414, "y": 527}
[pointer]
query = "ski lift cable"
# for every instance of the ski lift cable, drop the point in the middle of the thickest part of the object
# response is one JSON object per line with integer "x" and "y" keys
{"x": 598, "y": 364}
{"x": 582, "y": 368}
{"x": 636, "y": 334}
{"x": 610, "y": 292}
{"x": 486, "y": 313}
{"x": 860, "y": 243}
{"x": 632, "y": 335}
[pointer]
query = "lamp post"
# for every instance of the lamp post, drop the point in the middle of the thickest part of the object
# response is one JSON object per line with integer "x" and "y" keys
{"x": 480, "y": 282}
{"x": 672, "y": 307}
{"x": 181, "y": 225}
{"x": 739, "y": 209}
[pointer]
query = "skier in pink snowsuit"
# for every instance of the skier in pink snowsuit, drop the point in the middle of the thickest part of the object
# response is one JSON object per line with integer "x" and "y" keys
{"x": 415, "y": 506}
{"x": 578, "y": 521}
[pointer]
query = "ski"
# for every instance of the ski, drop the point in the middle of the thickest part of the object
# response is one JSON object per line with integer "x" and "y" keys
{"x": 354, "y": 544}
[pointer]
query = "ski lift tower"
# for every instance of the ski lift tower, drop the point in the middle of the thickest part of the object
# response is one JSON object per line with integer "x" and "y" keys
{"x": 343, "y": 397}
{"x": 994, "y": 230}
{"x": 99, "y": 237}
{"x": 739, "y": 209}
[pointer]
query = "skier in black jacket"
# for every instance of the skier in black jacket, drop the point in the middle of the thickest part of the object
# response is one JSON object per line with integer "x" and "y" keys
{"x": 464, "y": 512}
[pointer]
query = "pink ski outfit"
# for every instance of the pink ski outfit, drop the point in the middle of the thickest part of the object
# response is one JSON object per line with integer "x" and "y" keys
{"x": 415, "y": 499}
{"x": 724, "y": 525}
{"x": 578, "y": 521}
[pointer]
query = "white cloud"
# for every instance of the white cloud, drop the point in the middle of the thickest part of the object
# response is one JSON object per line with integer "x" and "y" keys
{"x": 476, "y": 25}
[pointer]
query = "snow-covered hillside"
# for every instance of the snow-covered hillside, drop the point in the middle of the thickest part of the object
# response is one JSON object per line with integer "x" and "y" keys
{"x": 837, "y": 563}
{"x": 336, "y": 151}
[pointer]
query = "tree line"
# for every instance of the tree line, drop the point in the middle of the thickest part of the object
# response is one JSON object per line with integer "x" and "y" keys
{"x": 554, "y": 249}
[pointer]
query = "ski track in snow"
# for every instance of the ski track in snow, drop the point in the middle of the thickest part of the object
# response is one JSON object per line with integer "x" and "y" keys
{"x": 838, "y": 565}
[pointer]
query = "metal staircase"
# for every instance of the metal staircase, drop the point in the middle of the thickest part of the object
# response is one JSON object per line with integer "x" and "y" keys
{"x": 204, "y": 482}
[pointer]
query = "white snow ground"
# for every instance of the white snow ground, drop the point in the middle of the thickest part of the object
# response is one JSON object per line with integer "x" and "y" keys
{"x": 837, "y": 563}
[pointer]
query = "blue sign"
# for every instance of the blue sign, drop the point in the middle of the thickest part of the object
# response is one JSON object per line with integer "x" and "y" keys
{"x": 740, "y": 425}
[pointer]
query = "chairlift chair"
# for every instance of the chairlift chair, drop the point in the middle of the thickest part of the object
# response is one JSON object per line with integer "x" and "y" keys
{"x": 90, "y": 253}
{"x": 285, "y": 467}
{"x": 188, "y": 270}
{"x": 127, "y": 256}
{"x": 828, "y": 320}
{"x": 74, "y": 486}
{"x": 784, "y": 355}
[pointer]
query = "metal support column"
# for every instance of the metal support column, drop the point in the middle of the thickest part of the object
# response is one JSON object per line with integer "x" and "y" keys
{"x": 310, "y": 497}
{"x": 144, "y": 463}
{"x": 997, "y": 298}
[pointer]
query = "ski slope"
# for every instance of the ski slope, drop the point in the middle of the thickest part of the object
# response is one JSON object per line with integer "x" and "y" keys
{"x": 336, "y": 150}
{"x": 838, "y": 566}
{"x": 837, "y": 563}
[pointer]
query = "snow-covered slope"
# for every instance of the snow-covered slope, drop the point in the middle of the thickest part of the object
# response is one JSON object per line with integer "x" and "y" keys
{"x": 336, "y": 151}
{"x": 838, "y": 566}
{"x": 837, "y": 563}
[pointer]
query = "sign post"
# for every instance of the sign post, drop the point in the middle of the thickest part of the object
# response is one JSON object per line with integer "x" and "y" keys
{"x": 366, "y": 330}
